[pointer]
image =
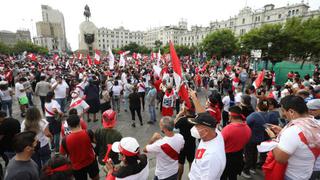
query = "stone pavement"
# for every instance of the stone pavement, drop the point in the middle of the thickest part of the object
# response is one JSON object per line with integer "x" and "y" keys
{"x": 141, "y": 133}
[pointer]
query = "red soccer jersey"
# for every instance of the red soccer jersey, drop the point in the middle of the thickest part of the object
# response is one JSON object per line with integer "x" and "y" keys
{"x": 79, "y": 149}
{"x": 236, "y": 136}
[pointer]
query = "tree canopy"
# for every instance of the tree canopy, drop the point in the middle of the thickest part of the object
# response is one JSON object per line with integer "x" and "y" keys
{"x": 22, "y": 46}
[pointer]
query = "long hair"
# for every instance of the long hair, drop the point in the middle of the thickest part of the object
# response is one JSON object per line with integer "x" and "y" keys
{"x": 33, "y": 117}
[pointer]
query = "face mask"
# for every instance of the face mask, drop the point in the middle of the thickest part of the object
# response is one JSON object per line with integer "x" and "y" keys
{"x": 194, "y": 132}
{"x": 74, "y": 95}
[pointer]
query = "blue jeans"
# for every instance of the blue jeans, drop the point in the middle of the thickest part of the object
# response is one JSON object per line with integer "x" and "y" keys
{"x": 152, "y": 111}
{"x": 126, "y": 101}
{"x": 29, "y": 95}
{"x": 62, "y": 103}
{"x": 42, "y": 155}
{"x": 7, "y": 104}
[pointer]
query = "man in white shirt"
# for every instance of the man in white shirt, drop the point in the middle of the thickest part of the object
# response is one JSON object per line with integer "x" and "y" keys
{"x": 210, "y": 157}
{"x": 167, "y": 150}
{"x": 20, "y": 93}
{"x": 61, "y": 89}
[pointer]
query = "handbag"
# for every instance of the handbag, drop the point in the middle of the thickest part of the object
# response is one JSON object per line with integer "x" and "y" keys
{"x": 23, "y": 100}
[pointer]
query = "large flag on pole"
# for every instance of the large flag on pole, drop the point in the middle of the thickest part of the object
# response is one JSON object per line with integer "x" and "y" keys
{"x": 32, "y": 57}
{"x": 177, "y": 74}
{"x": 111, "y": 59}
{"x": 257, "y": 83}
{"x": 158, "y": 58}
{"x": 97, "y": 57}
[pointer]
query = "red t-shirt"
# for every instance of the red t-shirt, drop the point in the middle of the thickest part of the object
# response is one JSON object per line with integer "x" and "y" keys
{"x": 236, "y": 136}
{"x": 83, "y": 125}
{"x": 157, "y": 85}
{"x": 215, "y": 112}
{"x": 79, "y": 149}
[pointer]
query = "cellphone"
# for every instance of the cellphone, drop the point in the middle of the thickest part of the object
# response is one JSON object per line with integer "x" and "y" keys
{"x": 266, "y": 125}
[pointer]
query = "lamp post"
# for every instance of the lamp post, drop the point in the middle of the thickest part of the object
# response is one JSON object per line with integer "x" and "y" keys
{"x": 268, "y": 53}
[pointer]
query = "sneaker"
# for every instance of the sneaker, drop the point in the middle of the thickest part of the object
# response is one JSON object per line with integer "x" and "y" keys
{"x": 245, "y": 175}
{"x": 150, "y": 122}
{"x": 133, "y": 125}
{"x": 141, "y": 124}
{"x": 252, "y": 171}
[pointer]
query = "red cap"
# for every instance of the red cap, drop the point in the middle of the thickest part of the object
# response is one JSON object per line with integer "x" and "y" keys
{"x": 109, "y": 118}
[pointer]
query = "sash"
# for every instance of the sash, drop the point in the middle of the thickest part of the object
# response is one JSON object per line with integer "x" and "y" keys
{"x": 142, "y": 86}
{"x": 49, "y": 112}
{"x": 169, "y": 151}
{"x": 75, "y": 104}
{"x": 80, "y": 88}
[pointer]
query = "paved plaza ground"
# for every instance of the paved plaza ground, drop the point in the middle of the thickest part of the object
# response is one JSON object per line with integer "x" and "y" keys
{"x": 141, "y": 133}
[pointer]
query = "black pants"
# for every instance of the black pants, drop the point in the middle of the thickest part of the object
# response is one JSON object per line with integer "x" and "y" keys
{"x": 133, "y": 110}
{"x": 250, "y": 156}
{"x": 234, "y": 165}
{"x": 142, "y": 95}
{"x": 43, "y": 101}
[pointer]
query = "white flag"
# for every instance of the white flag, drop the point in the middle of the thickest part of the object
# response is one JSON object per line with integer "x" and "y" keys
{"x": 122, "y": 61}
{"x": 111, "y": 59}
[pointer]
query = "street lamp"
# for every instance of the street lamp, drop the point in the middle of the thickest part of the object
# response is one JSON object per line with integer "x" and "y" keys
{"x": 267, "y": 58}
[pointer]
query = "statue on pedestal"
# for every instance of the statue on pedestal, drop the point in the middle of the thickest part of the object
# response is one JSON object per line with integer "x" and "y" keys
{"x": 87, "y": 12}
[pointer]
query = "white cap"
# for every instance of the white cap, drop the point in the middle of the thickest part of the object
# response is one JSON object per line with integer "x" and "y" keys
{"x": 128, "y": 146}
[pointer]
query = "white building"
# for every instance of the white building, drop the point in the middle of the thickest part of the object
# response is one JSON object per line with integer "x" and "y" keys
{"x": 51, "y": 31}
{"x": 117, "y": 38}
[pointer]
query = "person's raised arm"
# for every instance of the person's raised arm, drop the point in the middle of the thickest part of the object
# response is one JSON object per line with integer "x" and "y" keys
{"x": 199, "y": 108}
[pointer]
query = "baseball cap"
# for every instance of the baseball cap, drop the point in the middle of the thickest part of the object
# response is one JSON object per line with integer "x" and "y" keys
{"x": 109, "y": 118}
{"x": 204, "y": 119}
{"x": 127, "y": 146}
{"x": 314, "y": 104}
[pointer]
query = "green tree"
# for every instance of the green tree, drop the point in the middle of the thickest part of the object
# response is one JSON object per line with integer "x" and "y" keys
{"x": 221, "y": 43}
{"x": 22, "y": 46}
{"x": 4, "y": 49}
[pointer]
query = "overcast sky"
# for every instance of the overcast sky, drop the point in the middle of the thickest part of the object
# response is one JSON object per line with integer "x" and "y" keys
{"x": 132, "y": 14}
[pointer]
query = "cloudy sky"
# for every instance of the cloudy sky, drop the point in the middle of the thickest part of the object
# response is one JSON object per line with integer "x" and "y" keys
{"x": 132, "y": 14}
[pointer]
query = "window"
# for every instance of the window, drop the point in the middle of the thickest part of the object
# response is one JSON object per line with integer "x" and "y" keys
{"x": 297, "y": 11}
{"x": 292, "y": 12}
{"x": 242, "y": 31}
{"x": 243, "y": 21}
{"x": 289, "y": 13}
{"x": 268, "y": 17}
{"x": 279, "y": 16}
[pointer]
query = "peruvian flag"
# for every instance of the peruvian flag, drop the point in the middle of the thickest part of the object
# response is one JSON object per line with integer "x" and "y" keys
{"x": 122, "y": 61}
{"x": 134, "y": 56}
{"x": 32, "y": 57}
{"x": 257, "y": 83}
{"x": 158, "y": 57}
{"x": 55, "y": 57}
{"x": 89, "y": 60}
{"x": 97, "y": 57}
{"x": 139, "y": 56}
{"x": 111, "y": 59}
{"x": 80, "y": 56}
{"x": 177, "y": 74}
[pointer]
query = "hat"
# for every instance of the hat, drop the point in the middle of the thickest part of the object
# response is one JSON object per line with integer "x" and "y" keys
{"x": 109, "y": 118}
{"x": 204, "y": 119}
{"x": 3, "y": 82}
{"x": 127, "y": 146}
{"x": 314, "y": 104}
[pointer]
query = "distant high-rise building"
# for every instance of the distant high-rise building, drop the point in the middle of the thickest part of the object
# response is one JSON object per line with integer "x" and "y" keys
{"x": 11, "y": 38}
{"x": 51, "y": 31}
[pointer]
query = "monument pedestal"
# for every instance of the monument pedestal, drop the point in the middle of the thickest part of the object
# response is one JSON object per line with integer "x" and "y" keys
{"x": 88, "y": 37}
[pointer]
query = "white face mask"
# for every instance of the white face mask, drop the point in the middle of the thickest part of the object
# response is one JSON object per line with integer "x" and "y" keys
{"x": 74, "y": 95}
{"x": 194, "y": 132}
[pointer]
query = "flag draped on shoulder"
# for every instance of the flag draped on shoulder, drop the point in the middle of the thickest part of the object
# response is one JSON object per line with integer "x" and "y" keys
{"x": 97, "y": 55}
{"x": 257, "y": 83}
{"x": 177, "y": 74}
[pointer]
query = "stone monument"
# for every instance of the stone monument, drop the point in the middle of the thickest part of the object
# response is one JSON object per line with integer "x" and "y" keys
{"x": 88, "y": 34}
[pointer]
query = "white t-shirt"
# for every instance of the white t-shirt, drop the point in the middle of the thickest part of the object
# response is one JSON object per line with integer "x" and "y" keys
{"x": 210, "y": 160}
{"x": 5, "y": 95}
{"x": 61, "y": 90}
{"x": 50, "y": 106}
{"x": 226, "y": 103}
{"x": 127, "y": 89}
{"x": 237, "y": 97}
{"x": 43, "y": 139}
{"x": 301, "y": 161}
{"x": 165, "y": 165}
{"x": 141, "y": 87}
{"x": 116, "y": 90}
{"x": 18, "y": 88}
{"x": 79, "y": 104}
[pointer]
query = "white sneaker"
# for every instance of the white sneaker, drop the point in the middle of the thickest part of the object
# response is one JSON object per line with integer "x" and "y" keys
{"x": 245, "y": 175}
{"x": 252, "y": 171}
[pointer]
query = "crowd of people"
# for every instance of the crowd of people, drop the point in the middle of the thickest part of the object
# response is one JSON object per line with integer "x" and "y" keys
{"x": 242, "y": 127}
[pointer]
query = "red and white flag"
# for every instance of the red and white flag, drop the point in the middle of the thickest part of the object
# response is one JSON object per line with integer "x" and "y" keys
{"x": 134, "y": 56}
{"x": 89, "y": 60}
{"x": 97, "y": 57}
{"x": 177, "y": 74}
{"x": 55, "y": 57}
{"x": 111, "y": 59}
{"x": 257, "y": 83}
{"x": 80, "y": 56}
{"x": 32, "y": 57}
{"x": 158, "y": 58}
